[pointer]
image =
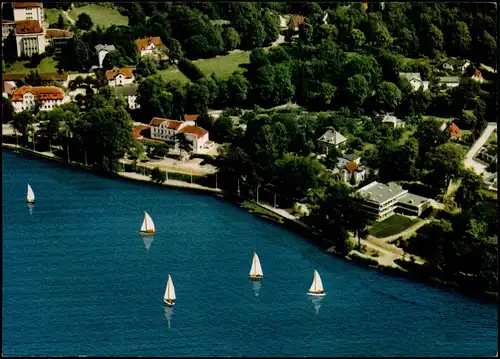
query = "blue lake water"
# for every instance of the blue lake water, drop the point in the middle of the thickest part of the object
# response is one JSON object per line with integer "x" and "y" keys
{"x": 78, "y": 280}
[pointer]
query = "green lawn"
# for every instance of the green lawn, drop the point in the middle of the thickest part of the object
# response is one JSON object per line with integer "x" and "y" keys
{"x": 222, "y": 66}
{"x": 52, "y": 15}
{"x": 47, "y": 65}
{"x": 172, "y": 74}
{"x": 392, "y": 225}
{"x": 100, "y": 15}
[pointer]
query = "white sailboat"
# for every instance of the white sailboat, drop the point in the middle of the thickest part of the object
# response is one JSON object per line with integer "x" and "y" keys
{"x": 316, "y": 286}
{"x": 256, "y": 270}
{"x": 148, "y": 227}
{"x": 169, "y": 297}
{"x": 30, "y": 197}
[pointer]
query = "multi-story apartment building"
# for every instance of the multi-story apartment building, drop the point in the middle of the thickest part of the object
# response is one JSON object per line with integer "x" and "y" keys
{"x": 383, "y": 200}
{"x": 28, "y": 11}
{"x": 30, "y": 38}
{"x": 25, "y": 97}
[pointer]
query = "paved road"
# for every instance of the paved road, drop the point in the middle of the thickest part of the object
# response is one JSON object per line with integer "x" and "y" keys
{"x": 479, "y": 168}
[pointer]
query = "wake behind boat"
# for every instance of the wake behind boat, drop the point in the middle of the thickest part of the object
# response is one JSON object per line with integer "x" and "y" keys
{"x": 148, "y": 227}
{"x": 256, "y": 269}
{"x": 169, "y": 296}
{"x": 316, "y": 286}
{"x": 30, "y": 197}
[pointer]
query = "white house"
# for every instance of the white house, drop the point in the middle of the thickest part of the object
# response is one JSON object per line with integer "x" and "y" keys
{"x": 456, "y": 64}
{"x": 30, "y": 38}
{"x": 283, "y": 24}
{"x": 120, "y": 76}
{"x": 331, "y": 138}
{"x": 415, "y": 80}
{"x": 353, "y": 173}
{"x": 197, "y": 135}
{"x": 129, "y": 92}
{"x": 28, "y": 11}
{"x": 102, "y": 51}
{"x": 148, "y": 46}
{"x": 165, "y": 130}
{"x": 396, "y": 122}
{"x": 25, "y": 97}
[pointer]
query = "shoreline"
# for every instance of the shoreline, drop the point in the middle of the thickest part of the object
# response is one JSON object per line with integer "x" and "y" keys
{"x": 295, "y": 226}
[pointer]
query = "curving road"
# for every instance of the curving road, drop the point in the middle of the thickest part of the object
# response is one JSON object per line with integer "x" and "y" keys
{"x": 469, "y": 162}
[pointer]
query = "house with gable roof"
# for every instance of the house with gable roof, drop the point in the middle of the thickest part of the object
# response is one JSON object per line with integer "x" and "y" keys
{"x": 454, "y": 131}
{"x": 415, "y": 80}
{"x": 102, "y": 51}
{"x": 120, "y": 76}
{"x": 166, "y": 130}
{"x": 331, "y": 138}
{"x": 26, "y": 97}
{"x": 148, "y": 46}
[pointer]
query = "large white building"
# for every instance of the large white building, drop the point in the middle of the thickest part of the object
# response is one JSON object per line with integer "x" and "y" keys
{"x": 30, "y": 38}
{"x": 28, "y": 11}
{"x": 165, "y": 130}
{"x": 25, "y": 97}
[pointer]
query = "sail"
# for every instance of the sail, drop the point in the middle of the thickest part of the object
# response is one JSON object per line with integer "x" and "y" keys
{"x": 170, "y": 290}
{"x": 31, "y": 195}
{"x": 256, "y": 268}
{"x": 147, "y": 224}
{"x": 317, "y": 284}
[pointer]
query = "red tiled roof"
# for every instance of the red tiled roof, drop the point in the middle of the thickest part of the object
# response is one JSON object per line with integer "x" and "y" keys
{"x": 174, "y": 125}
{"x": 196, "y": 131}
{"x": 157, "y": 121}
{"x": 351, "y": 166}
{"x": 297, "y": 20}
{"x": 51, "y": 33}
{"x": 41, "y": 92}
{"x": 125, "y": 71}
{"x": 190, "y": 117}
{"x": 143, "y": 43}
{"x": 136, "y": 131}
{"x": 454, "y": 130}
{"x": 21, "y": 5}
{"x": 478, "y": 74}
{"x": 8, "y": 87}
{"x": 28, "y": 27}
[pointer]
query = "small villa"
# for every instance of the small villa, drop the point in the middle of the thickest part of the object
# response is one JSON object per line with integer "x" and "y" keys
{"x": 148, "y": 46}
{"x": 102, "y": 51}
{"x": 120, "y": 76}
{"x": 454, "y": 131}
{"x": 331, "y": 138}
{"x": 414, "y": 80}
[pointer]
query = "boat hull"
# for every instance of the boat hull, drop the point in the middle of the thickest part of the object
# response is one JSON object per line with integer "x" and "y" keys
{"x": 257, "y": 277}
{"x": 146, "y": 233}
{"x": 30, "y": 202}
{"x": 316, "y": 294}
{"x": 168, "y": 303}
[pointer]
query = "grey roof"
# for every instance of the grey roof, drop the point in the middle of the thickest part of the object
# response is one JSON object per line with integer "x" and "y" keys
{"x": 380, "y": 192}
{"x": 391, "y": 118}
{"x": 449, "y": 79}
{"x": 410, "y": 75}
{"x": 411, "y": 199}
{"x": 104, "y": 47}
{"x": 351, "y": 156}
{"x": 333, "y": 137}
{"x": 126, "y": 90}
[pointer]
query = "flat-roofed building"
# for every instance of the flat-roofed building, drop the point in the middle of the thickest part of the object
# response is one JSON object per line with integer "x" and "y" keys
{"x": 381, "y": 199}
{"x": 413, "y": 205}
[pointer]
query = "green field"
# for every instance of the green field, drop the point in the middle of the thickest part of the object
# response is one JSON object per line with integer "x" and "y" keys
{"x": 100, "y": 15}
{"x": 52, "y": 15}
{"x": 172, "y": 74}
{"x": 392, "y": 225}
{"x": 47, "y": 65}
{"x": 222, "y": 66}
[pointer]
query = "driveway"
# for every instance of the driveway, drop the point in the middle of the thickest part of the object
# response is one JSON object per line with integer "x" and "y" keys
{"x": 468, "y": 161}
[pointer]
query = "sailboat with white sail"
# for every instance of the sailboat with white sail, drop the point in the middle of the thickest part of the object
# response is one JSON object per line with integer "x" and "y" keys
{"x": 316, "y": 286}
{"x": 256, "y": 269}
{"x": 169, "y": 297}
{"x": 30, "y": 197}
{"x": 148, "y": 227}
